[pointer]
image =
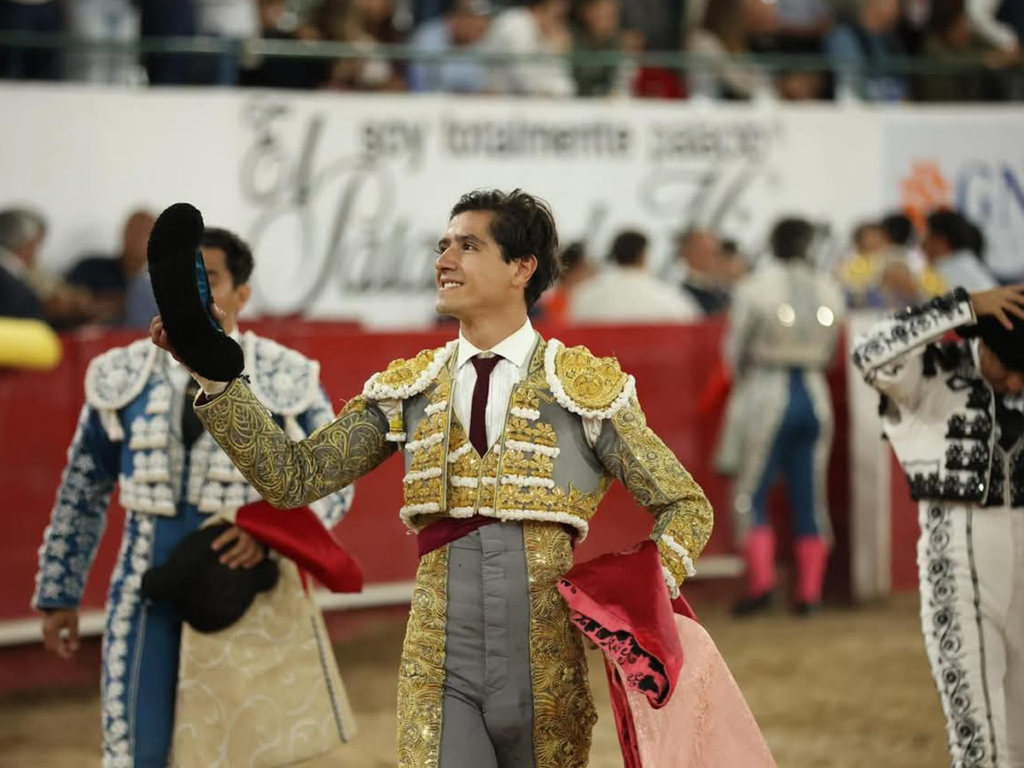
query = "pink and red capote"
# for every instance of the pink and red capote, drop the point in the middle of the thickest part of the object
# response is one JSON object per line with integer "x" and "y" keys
{"x": 675, "y": 702}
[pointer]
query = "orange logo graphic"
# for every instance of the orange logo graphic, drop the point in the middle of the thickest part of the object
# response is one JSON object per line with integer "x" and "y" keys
{"x": 924, "y": 190}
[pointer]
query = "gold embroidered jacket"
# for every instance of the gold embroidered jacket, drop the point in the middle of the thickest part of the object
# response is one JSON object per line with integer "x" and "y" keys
{"x": 542, "y": 468}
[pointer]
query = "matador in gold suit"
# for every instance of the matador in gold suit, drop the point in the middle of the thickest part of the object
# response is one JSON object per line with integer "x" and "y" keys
{"x": 573, "y": 425}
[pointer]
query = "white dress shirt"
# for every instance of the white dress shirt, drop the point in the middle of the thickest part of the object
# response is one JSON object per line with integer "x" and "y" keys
{"x": 515, "y": 352}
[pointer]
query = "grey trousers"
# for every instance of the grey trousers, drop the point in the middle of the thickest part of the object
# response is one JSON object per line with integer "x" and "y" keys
{"x": 488, "y": 697}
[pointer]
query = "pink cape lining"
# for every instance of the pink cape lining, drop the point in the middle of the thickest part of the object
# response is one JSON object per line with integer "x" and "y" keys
{"x": 621, "y": 603}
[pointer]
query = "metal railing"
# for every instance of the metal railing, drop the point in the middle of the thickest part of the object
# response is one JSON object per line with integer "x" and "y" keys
{"x": 241, "y": 54}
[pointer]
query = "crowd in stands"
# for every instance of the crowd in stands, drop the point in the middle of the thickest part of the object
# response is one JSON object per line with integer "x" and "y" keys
{"x": 855, "y": 37}
{"x": 890, "y": 263}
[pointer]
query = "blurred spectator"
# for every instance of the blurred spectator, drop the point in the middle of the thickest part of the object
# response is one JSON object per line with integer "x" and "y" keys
{"x": 911, "y": 28}
{"x": 735, "y": 265}
{"x": 167, "y": 18}
{"x": 659, "y": 22}
{"x": 862, "y": 273}
{"x": 803, "y": 24}
{"x": 726, "y": 31}
{"x": 900, "y": 283}
{"x": 378, "y": 19}
{"x": 899, "y": 230}
{"x": 21, "y": 233}
{"x": 947, "y": 246}
{"x": 989, "y": 20}
{"x": 100, "y": 20}
{"x": 597, "y": 28}
{"x": 428, "y": 10}
{"x": 1011, "y": 13}
{"x": 232, "y": 21}
{"x": 280, "y": 71}
{"x": 708, "y": 274}
{"x": 115, "y": 281}
{"x": 577, "y": 268}
{"x": 539, "y": 28}
{"x": 627, "y": 292}
{"x": 33, "y": 16}
{"x": 343, "y": 21}
{"x": 951, "y": 38}
{"x": 866, "y": 38}
{"x": 462, "y": 28}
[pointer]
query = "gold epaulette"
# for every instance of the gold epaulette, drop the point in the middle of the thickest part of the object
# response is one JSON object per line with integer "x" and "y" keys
{"x": 593, "y": 387}
{"x": 403, "y": 379}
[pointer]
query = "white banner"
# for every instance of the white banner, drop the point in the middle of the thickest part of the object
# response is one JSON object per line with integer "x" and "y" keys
{"x": 343, "y": 197}
{"x": 972, "y": 160}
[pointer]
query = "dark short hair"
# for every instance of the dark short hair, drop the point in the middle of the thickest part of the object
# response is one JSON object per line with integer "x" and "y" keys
{"x": 523, "y": 226}
{"x": 791, "y": 239}
{"x": 628, "y": 248}
{"x": 898, "y": 228}
{"x": 977, "y": 243}
{"x": 236, "y": 252}
{"x": 573, "y": 255}
{"x": 951, "y": 227}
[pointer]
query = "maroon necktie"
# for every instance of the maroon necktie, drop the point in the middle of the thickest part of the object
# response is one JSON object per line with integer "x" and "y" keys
{"x": 478, "y": 414}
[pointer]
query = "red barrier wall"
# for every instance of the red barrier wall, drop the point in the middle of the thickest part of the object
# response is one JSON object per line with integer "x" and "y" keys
{"x": 38, "y": 414}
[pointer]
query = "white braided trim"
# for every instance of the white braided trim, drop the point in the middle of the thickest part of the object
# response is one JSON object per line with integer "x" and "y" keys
{"x": 544, "y": 450}
{"x": 627, "y": 393}
{"x": 375, "y": 391}
{"x": 465, "y": 482}
{"x": 112, "y": 425}
{"x": 395, "y": 437}
{"x": 682, "y": 553}
{"x": 464, "y": 512}
{"x": 670, "y": 582}
{"x": 293, "y": 429}
{"x": 424, "y": 474}
{"x": 525, "y": 413}
{"x": 410, "y": 511}
{"x": 458, "y": 453}
{"x": 436, "y": 408}
{"x": 488, "y": 481}
{"x": 527, "y": 482}
{"x": 426, "y": 442}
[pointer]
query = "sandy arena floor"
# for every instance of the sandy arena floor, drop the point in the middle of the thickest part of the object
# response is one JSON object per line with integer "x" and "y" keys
{"x": 847, "y": 689}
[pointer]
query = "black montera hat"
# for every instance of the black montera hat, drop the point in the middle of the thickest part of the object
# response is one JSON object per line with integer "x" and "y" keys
{"x": 1006, "y": 344}
{"x": 182, "y": 293}
{"x": 209, "y": 595}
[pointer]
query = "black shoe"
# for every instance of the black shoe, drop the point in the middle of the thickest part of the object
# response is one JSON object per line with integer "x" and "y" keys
{"x": 182, "y": 293}
{"x": 751, "y": 606}
{"x": 806, "y": 610}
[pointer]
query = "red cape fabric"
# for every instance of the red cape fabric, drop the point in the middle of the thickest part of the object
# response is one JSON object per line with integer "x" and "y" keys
{"x": 621, "y": 602}
{"x": 299, "y": 535}
{"x": 716, "y": 390}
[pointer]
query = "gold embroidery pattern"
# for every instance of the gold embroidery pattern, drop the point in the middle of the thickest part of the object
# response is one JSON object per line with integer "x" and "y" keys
{"x": 592, "y": 382}
{"x": 527, "y": 432}
{"x": 421, "y": 676}
{"x": 573, "y": 502}
{"x": 656, "y": 479}
{"x": 528, "y": 463}
{"x": 402, "y": 373}
{"x": 563, "y": 710}
{"x": 293, "y": 474}
{"x": 429, "y": 458}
